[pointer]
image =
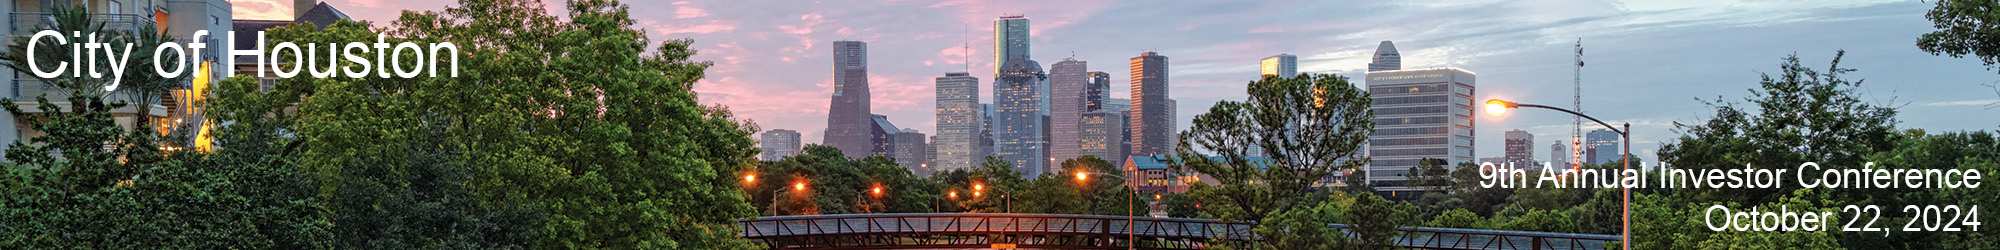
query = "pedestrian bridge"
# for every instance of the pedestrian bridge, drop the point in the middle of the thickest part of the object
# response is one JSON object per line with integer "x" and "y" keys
{"x": 1070, "y": 231}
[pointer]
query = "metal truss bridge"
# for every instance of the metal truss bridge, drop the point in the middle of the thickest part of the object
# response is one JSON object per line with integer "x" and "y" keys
{"x": 1069, "y": 231}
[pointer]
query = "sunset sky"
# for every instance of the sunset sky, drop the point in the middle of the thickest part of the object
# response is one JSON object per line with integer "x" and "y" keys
{"x": 1648, "y": 61}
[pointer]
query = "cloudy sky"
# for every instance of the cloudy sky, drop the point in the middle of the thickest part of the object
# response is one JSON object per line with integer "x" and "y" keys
{"x": 1650, "y": 63}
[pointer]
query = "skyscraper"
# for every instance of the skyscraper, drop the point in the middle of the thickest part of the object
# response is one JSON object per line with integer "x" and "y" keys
{"x": 985, "y": 134}
{"x": 1069, "y": 84}
{"x": 1103, "y": 136}
{"x": 958, "y": 121}
{"x": 882, "y": 139}
{"x": 1281, "y": 65}
{"x": 1558, "y": 155}
{"x": 1602, "y": 145}
{"x": 1152, "y": 120}
{"x": 1094, "y": 92}
{"x": 1419, "y": 114}
{"x": 848, "y": 123}
{"x": 1018, "y": 135}
{"x": 1386, "y": 58}
{"x": 779, "y": 143}
{"x": 1123, "y": 107}
{"x": 911, "y": 149}
{"x": 1520, "y": 148}
{"x": 1010, "y": 40}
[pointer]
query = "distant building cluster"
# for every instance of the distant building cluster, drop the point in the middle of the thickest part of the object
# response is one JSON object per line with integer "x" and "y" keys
{"x": 1040, "y": 116}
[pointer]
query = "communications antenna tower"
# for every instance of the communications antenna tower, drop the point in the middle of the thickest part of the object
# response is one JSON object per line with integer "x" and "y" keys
{"x": 1576, "y": 122}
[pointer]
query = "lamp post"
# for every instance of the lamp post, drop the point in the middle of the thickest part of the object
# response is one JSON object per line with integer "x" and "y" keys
{"x": 1497, "y": 107}
{"x": 1131, "y": 239}
{"x": 1007, "y": 197}
{"x": 799, "y": 186}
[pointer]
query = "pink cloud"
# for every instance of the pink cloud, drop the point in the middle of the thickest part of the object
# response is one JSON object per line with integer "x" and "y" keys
{"x": 806, "y": 25}
{"x": 261, "y": 9}
{"x": 712, "y": 26}
{"x": 684, "y": 12}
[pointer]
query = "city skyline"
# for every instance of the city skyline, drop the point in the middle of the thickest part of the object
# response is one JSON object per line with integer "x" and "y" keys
{"x": 1674, "y": 52}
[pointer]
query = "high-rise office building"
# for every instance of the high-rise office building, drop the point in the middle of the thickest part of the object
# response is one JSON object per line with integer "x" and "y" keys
{"x": 1010, "y": 40}
{"x": 1069, "y": 85}
{"x": 912, "y": 148}
{"x": 779, "y": 143}
{"x": 1173, "y": 125}
{"x": 1520, "y": 148}
{"x": 1386, "y": 58}
{"x": 985, "y": 134}
{"x": 1018, "y": 133}
{"x": 849, "y": 126}
{"x": 1123, "y": 107}
{"x": 882, "y": 139}
{"x": 1419, "y": 114}
{"x": 1281, "y": 65}
{"x": 1096, "y": 91}
{"x": 1602, "y": 146}
{"x": 1558, "y": 155}
{"x": 959, "y": 122}
{"x": 1152, "y": 118}
{"x": 1103, "y": 135}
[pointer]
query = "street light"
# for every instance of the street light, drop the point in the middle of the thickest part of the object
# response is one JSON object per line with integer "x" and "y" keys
{"x": 796, "y": 186}
{"x": 1007, "y": 197}
{"x": 750, "y": 178}
{"x": 1497, "y": 107}
{"x": 1131, "y": 240}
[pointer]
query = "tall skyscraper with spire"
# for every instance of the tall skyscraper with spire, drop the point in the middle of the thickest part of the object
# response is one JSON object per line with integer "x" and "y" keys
{"x": 1386, "y": 58}
{"x": 1018, "y": 133}
{"x": 958, "y": 122}
{"x": 849, "y": 123}
{"x": 1069, "y": 84}
{"x": 1010, "y": 40}
{"x": 1281, "y": 65}
{"x": 1152, "y": 117}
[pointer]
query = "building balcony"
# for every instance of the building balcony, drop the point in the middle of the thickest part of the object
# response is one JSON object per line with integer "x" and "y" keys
{"x": 27, "y": 23}
{"x": 24, "y": 92}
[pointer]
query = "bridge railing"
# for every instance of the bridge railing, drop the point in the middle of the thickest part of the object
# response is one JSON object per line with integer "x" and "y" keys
{"x": 1460, "y": 238}
{"x": 948, "y": 230}
{"x": 991, "y": 223}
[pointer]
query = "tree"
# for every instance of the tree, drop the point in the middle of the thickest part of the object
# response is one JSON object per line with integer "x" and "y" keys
{"x": 1459, "y": 218}
{"x": 839, "y": 185}
{"x": 1376, "y": 222}
{"x": 424, "y": 203}
{"x": 1538, "y": 220}
{"x": 1801, "y": 115}
{"x": 75, "y": 193}
{"x": 580, "y": 117}
{"x": 1965, "y": 27}
{"x": 1310, "y": 126}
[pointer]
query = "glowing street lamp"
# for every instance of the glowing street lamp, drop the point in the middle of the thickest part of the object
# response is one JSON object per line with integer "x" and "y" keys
{"x": 796, "y": 186}
{"x": 750, "y": 178}
{"x": 1008, "y": 197}
{"x": 1497, "y": 107}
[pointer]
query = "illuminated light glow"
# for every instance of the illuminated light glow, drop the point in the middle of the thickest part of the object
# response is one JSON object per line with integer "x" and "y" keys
{"x": 1081, "y": 176}
{"x": 1496, "y": 107}
{"x": 750, "y": 178}
{"x": 798, "y": 186}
